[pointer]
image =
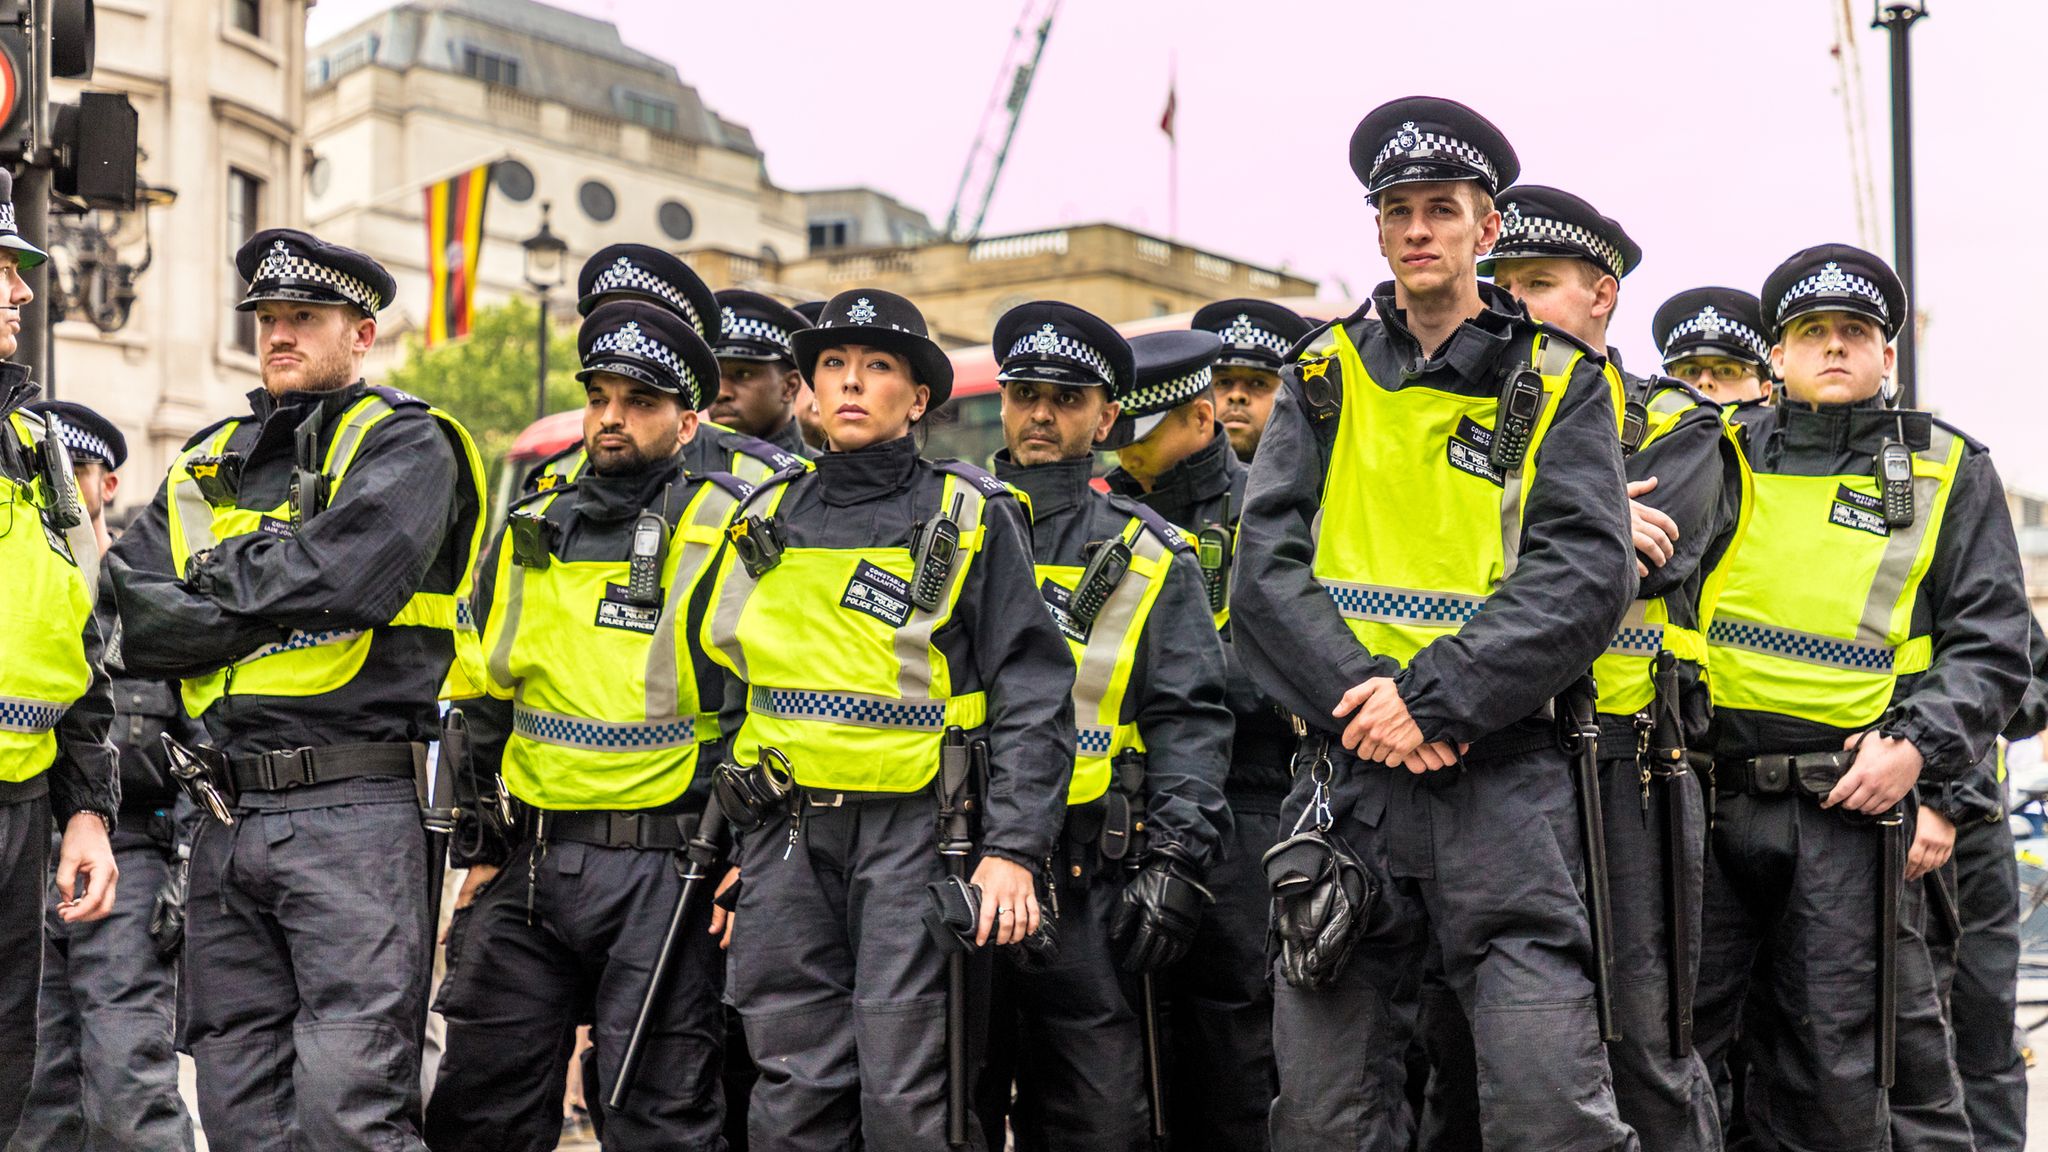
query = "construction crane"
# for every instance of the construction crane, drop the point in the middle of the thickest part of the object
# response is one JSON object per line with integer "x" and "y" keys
{"x": 1856, "y": 122}
{"x": 1013, "y": 83}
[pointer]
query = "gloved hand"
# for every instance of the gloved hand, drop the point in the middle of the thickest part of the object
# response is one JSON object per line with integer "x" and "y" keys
{"x": 167, "y": 915}
{"x": 1155, "y": 920}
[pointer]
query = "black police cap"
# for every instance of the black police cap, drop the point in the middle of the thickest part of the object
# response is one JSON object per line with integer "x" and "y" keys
{"x": 1537, "y": 221}
{"x": 1835, "y": 278}
{"x": 809, "y": 310}
{"x": 1061, "y": 344}
{"x": 26, "y": 255}
{"x": 87, "y": 435}
{"x": 876, "y": 319}
{"x": 755, "y": 327}
{"x": 651, "y": 344}
{"x": 1418, "y": 138}
{"x": 1711, "y": 322}
{"x": 644, "y": 272}
{"x": 1173, "y": 368}
{"x": 1255, "y": 333}
{"x": 299, "y": 267}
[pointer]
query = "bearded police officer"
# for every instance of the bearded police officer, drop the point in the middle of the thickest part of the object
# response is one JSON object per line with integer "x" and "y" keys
{"x": 758, "y": 384}
{"x": 1565, "y": 262}
{"x": 1256, "y": 335}
{"x": 595, "y": 723}
{"x": 305, "y": 571}
{"x": 1712, "y": 338}
{"x": 1871, "y": 635}
{"x": 54, "y": 700}
{"x": 106, "y": 1071}
{"x": 1434, "y": 546}
{"x": 1145, "y": 811}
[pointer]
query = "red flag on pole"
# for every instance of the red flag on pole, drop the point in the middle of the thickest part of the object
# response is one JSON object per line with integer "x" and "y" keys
{"x": 1166, "y": 121}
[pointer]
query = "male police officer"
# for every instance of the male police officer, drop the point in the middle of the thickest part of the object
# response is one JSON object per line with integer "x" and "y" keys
{"x": 595, "y": 724}
{"x": 304, "y": 570}
{"x": 1146, "y": 817}
{"x": 758, "y": 384}
{"x": 1256, "y": 335}
{"x": 1712, "y": 338}
{"x": 1564, "y": 261}
{"x": 1871, "y": 634}
{"x": 1434, "y": 546}
{"x": 54, "y": 700}
{"x": 106, "y": 1070}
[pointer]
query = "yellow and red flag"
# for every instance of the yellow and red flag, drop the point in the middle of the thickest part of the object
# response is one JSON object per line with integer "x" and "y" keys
{"x": 455, "y": 238}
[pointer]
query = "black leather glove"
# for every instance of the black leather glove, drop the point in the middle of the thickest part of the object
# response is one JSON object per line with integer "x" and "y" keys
{"x": 167, "y": 915}
{"x": 1155, "y": 920}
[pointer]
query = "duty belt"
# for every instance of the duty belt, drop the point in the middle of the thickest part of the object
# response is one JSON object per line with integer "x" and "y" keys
{"x": 1802, "y": 773}
{"x": 653, "y": 830}
{"x": 827, "y": 798}
{"x": 301, "y": 767}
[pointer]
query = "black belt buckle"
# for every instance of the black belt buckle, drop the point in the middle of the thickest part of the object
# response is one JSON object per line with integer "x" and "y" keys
{"x": 1770, "y": 775}
{"x": 623, "y": 829}
{"x": 1816, "y": 775}
{"x": 287, "y": 768}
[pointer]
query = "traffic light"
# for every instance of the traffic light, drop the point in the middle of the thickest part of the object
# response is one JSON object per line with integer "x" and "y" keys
{"x": 21, "y": 86}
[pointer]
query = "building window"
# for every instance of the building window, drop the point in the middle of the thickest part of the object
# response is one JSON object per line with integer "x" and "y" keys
{"x": 597, "y": 200}
{"x": 828, "y": 235}
{"x": 648, "y": 112}
{"x": 490, "y": 67}
{"x": 675, "y": 220}
{"x": 245, "y": 219}
{"x": 247, "y": 15}
{"x": 513, "y": 179}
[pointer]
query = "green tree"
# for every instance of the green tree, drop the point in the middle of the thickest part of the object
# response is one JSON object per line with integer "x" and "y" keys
{"x": 487, "y": 378}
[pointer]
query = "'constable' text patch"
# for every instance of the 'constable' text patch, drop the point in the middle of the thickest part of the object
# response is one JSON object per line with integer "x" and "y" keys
{"x": 613, "y": 613}
{"x": 879, "y": 593}
{"x": 1058, "y": 599}
{"x": 1853, "y": 509}
{"x": 1468, "y": 447}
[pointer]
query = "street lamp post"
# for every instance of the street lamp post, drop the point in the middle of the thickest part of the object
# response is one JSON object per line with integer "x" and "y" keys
{"x": 546, "y": 270}
{"x": 1898, "y": 17}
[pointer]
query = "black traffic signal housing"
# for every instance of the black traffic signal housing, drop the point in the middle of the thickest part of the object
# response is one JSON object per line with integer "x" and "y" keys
{"x": 38, "y": 39}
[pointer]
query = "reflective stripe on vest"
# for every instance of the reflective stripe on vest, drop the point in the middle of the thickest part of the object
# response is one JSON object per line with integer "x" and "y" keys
{"x": 43, "y": 615}
{"x": 1816, "y": 615}
{"x": 607, "y": 711}
{"x": 1399, "y": 589}
{"x": 1103, "y": 663}
{"x": 842, "y": 675}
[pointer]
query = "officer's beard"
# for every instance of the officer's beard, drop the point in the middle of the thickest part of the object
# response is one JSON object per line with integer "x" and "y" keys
{"x": 632, "y": 460}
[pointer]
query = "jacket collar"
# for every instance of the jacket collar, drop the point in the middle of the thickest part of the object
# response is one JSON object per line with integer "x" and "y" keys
{"x": 1053, "y": 488}
{"x": 1203, "y": 476}
{"x": 620, "y": 497}
{"x": 1473, "y": 348}
{"x": 864, "y": 474}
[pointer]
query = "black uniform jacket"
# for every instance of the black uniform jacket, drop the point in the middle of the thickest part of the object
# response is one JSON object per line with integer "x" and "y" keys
{"x": 145, "y": 710}
{"x": 83, "y": 778}
{"x": 1000, "y": 640}
{"x": 388, "y": 532}
{"x": 1973, "y": 601}
{"x": 1539, "y": 631}
{"x": 1176, "y": 687}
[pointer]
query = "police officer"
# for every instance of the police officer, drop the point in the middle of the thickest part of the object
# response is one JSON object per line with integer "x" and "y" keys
{"x": 1565, "y": 262}
{"x": 1256, "y": 335}
{"x": 305, "y": 570}
{"x": 1712, "y": 338}
{"x": 595, "y": 723}
{"x": 1434, "y": 546}
{"x": 884, "y": 614}
{"x": 1871, "y": 635}
{"x": 106, "y": 1070}
{"x": 1146, "y": 819}
{"x": 807, "y": 417}
{"x": 54, "y": 700}
{"x": 758, "y": 384}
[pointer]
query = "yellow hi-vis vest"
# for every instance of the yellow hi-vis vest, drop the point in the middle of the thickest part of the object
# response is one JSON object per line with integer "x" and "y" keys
{"x": 43, "y": 616}
{"x": 314, "y": 663}
{"x": 1105, "y": 654}
{"x": 1622, "y": 675}
{"x": 1816, "y": 615}
{"x": 605, "y": 702}
{"x": 842, "y": 675}
{"x": 567, "y": 466}
{"x": 1416, "y": 528}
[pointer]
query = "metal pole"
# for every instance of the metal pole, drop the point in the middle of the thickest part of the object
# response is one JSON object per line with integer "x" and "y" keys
{"x": 541, "y": 404}
{"x": 32, "y": 216}
{"x": 1897, "y": 19}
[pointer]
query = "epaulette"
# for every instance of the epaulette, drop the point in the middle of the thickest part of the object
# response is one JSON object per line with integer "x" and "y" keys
{"x": 1174, "y": 539}
{"x": 193, "y": 440}
{"x": 734, "y": 440}
{"x": 739, "y": 489}
{"x": 398, "y": 397}
{"x": 984, "y": 482}
{"x": 1662, "y": 383}
{"x": 1975, "y": 446}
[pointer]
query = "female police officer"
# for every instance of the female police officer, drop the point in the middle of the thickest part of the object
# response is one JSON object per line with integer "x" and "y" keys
{"x": 884, "y": 614}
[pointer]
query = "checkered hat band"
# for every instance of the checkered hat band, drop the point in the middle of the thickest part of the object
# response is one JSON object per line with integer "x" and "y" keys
{"x": 626, "y": 276}
{"x": 1092, "y": 740}
{"x": 83, "y": 443}
{"x": 755, "y": 331}
{"x": 1429, "y": 146}
{"x": 1243, "y": 332}
{"x": 1060, "y": 346}
{"x": 1170, "y": 394}
{"x": 1716, "y": 327}
{"x": 34, "y": 717}
{"x": 1520, "y": 228}
{"x": 282, "y": 264}
{"x": 1645, "y": 641}
{"x": 1401, "y": 605}
{"x": 1804, "y": 647}
{"x": 1836, "y": 282}
{"x": 631, "y": 342}
{"x": 7, "y": 217}
{"x": 603, "y": 735}
{"x": 850, "y": 708}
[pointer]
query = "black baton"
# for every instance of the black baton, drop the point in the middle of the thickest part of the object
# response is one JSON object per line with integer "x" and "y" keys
{"x": 1667, "y": 752}
{"x": 1891, "y": 874}
{"x": 706, "y": 845}
{"x": 955, "y": 843}
{"x": 1155, "y": 1076}
{"x": 1583, "y": 743}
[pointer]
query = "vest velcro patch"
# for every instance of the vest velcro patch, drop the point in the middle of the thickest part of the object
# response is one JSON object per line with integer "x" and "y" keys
{"x": 1058, "y": 599}
{"x": 613, "y": 613}
{"x": 1853, "y": 509}
{"x": 1468, "y": 447}
{"x": 879, "y": 593}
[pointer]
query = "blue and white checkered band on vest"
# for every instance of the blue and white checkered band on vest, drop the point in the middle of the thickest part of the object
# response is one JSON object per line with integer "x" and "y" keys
{"x": 1244, "y": 332}
{"x": 83, "y": 443}
{"x": 1168, "y": 394}
{"x": 1412, "y": 145}
{"x": 1517, "y": 227}
{"x": 626, "y": 276}
{"x": 748, "y": 329}
{"x": 1709, "y": 325}
{"x": 629, "y": 341}
{"x": 1832, "y": 280}
{"x": 281, "y": 263}
{"x": 1050, "y": 343}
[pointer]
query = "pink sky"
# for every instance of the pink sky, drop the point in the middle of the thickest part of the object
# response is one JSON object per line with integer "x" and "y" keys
{"x": 1713, "y": 131}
